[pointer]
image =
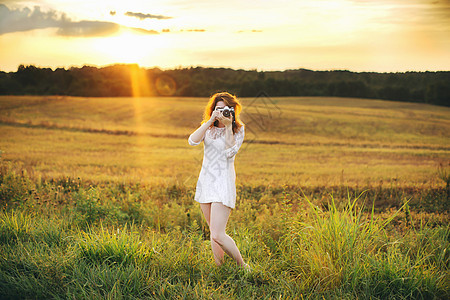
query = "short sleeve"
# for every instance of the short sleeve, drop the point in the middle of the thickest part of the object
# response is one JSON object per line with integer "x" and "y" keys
{"x": 239, "y": 138}
{"x": 192, "y": 143}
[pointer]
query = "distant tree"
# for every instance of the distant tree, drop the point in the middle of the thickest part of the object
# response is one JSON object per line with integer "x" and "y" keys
{"x": 117, "y": 80}
{"x": 438, "y": 93}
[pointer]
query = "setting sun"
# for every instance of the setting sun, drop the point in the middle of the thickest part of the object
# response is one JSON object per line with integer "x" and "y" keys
{"x": 382, "y": 36}
{"x": 130, "y": 47}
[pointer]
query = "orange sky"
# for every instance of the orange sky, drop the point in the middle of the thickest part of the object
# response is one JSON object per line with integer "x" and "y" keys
{"x": 357, "y": 35}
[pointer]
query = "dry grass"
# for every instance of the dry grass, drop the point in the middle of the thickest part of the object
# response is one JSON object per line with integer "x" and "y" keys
{"x": 296, "y": 141}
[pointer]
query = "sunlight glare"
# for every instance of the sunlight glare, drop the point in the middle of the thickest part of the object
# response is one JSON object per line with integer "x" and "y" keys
{"x": 128, "y": 47}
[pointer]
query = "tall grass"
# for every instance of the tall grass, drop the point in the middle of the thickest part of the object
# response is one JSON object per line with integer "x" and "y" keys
{"x": 350, "y": 207}
{"x": 297, "y": 247}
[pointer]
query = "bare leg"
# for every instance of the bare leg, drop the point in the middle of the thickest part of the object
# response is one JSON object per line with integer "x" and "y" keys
{"x": 218, "y": 222}
{"x": 216, "y": 249}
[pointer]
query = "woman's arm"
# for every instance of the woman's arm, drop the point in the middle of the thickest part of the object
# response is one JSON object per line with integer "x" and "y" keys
{"x": 196, "y": 137}
{"x": 229, "y": 136}
{"x": 230, "y": 141}
{"x": 238, "y": 139}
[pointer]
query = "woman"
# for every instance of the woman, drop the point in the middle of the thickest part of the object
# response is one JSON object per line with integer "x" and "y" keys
{"x": 216, "y": 188}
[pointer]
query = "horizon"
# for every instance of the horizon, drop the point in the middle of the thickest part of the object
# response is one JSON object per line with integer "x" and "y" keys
{"x": 214, "y": 67}
{"x": 382, "y": 36}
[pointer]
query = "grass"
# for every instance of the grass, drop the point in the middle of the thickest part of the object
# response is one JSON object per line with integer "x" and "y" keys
{"x": 337, "y": 199}
{"x": 119, "y": 241}
{"x": 315, "y": 141}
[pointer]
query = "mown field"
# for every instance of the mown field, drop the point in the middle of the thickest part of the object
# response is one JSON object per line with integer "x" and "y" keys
{"x": 337, "y": 198}
{"x": 295, "y": 141}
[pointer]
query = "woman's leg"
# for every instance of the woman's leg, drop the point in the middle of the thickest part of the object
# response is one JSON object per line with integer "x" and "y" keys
{"x": 216, "y": 249}
{"x": 218, "y": 221}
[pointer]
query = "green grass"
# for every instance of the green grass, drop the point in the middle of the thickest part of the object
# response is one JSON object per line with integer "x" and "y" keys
{"x": 333, "y": 254}
{"x": 337, "y": 199}
{"x": 115, "y": 241}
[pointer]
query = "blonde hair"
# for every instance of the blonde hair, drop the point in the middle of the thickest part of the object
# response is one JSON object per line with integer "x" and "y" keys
{"x": 230, "y": 101}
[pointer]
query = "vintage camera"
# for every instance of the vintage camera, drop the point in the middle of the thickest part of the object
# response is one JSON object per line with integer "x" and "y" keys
{"x": 226, "y": 111}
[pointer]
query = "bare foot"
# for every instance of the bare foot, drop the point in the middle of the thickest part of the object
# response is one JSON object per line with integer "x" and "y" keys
{"x": 246, "y": 267}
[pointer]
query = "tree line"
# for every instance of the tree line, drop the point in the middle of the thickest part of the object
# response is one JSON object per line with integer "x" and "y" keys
{"x": 125, "y": 80}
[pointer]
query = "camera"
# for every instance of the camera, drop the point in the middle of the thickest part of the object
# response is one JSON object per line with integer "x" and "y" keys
{"x": 226, "y": 111}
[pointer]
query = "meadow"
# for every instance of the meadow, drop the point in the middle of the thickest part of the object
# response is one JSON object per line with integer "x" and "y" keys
{"x": 337, "y": 198}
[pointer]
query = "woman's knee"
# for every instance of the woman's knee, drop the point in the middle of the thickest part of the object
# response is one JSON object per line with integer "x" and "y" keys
{"x": 218, "y": 236}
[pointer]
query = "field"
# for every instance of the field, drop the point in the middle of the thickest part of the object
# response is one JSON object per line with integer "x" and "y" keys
{"x": 337, "y": 198}
{"x": 294, "y": 141}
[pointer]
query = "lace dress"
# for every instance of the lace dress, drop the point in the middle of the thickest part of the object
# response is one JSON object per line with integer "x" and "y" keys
{"x": 216, "y": 182}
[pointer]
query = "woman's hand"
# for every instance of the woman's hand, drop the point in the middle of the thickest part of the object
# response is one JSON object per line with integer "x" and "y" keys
{"x": 226, "y": 121}
{"x": 215, "y": 116}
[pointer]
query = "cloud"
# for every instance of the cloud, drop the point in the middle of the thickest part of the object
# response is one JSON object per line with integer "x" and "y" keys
{"x": 25, "y": 19}
{"x": 144, "y": 31}
{"x": 142, "y": 16}
{"x": 88, "y": 28}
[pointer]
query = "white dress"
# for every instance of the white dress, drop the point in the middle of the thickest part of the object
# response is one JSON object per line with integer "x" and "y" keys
{"x": 217, "y": 179}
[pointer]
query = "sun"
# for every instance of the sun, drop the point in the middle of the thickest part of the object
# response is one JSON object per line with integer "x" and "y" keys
{"x": 129, "y": 46}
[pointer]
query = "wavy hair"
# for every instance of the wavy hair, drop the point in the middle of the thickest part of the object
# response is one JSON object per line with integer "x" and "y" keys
{"x": 230, "y": 101}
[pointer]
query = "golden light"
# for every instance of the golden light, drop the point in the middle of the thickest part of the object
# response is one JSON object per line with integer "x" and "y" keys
{"x": 129, "y": 46}
{"x": 140, "y": 87}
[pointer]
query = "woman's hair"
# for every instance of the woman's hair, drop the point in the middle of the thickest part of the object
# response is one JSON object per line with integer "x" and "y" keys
{"x": 230, "y": 101}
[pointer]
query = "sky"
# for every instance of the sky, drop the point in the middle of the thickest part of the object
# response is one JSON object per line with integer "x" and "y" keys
{"x": 355, "y": 35}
